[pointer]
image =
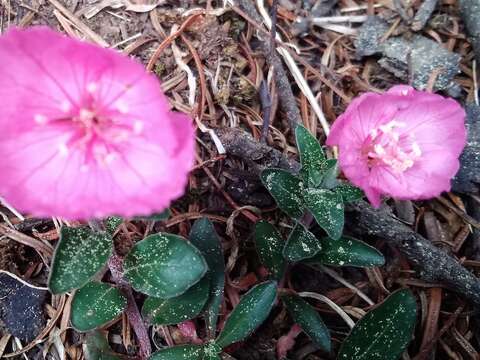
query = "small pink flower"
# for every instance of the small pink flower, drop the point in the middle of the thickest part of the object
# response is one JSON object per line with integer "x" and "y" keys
{"x": 85, "y": 131}
{"x": 404, "y": 143}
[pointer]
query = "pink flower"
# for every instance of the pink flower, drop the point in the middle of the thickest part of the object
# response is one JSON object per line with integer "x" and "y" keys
{"x": 85, "y": 131}
{"x": 404, "y": 143}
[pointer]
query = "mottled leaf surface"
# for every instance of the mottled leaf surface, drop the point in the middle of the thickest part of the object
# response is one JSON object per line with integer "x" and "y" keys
{"x": 80, "y": 254}
{"x": 112, "y": 223}
{"x": 349, "y": 193}
{"x": 309, "y": 320}
{"x": 286, "y": 189}
{"x": 301, "y": 244}
{"x": 182, "y": 352}
{"x": 164, "y": 265}
{"x": 252, "y": 310}
{"x": 312, "y": 157}
{"x": 96, "y": 304}
{"x": 347, "y": 251}
{"x": 96, "y": 347}
{"x": 270, "y": 246}
{"x": 178, "y": 309}
{"x": 206, "y": 239}
{"x": 328, "y": 209}
{"x": 383, "y": 333}
{"x": 330, "y": 174}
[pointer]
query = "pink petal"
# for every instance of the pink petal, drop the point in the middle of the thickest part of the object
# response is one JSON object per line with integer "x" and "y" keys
{"x": 428, "y": 136}
{"x": 135, "y": 162}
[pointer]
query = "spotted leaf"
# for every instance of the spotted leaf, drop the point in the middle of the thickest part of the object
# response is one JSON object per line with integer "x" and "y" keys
{"x": 286, "y": 189}
{"x": 312, "y": 157}
{"x": 309, "y": 320}
{"x": 301, "y": 244}
{"x": 383, "y": 333}
{"x": 178, "y": 309}
{"x": 328, "y": 209}
{"x": 270, "y": 245}
{"x": 164, "y": 265}
{"x": 347, "y": 251}
{"x": 182, "y": 352}
{"x": 80, "y": 254}
{"x": 96, "y": 304}
{"x": 205, "y": 238}
{"x": 252, "y": 310}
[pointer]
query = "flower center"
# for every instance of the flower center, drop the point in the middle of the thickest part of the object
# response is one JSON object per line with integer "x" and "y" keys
{"x": 387, "y": 146}
{"x": 93, "y": 128}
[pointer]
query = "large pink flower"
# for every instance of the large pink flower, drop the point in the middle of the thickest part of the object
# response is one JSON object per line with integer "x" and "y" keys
{"x": 85, "y": 131}
{"x": 404, "y": 143}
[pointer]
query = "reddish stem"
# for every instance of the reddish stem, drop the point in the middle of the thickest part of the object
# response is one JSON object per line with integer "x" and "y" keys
{"x": 115, "y": 264}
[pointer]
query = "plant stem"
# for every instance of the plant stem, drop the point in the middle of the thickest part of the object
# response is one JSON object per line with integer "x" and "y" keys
{"x": 115, "y": 264}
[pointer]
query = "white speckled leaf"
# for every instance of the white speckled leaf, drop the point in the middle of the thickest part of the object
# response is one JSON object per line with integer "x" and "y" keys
{"x": 312, "y": 157}
{"x": 301, "y": 244}
{"x": 349, "y": 193}
{"x": 270, "y": 245}
{"x": 164, "y": 265}
{"x": 252, "y": 310}
{"x": 286, "y": 189}
{"x": 112, "y": 223}
{"x": 309, "y": 320}
{"x": 96, "y": 304}
{"x": 330, "y": 174}
{"x": 205, "y": 238}
{"x": 182, "y": 352}
{"x": 347, "y": 251}
{"x": 96, "y": 347}
{"x": 178, "y": 309}
{"x": 79, "y": 255}
{"x": 328, "y": 209}
{"x": 383, "y": 333}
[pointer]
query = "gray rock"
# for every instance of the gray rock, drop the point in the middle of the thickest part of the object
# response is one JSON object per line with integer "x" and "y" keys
{"x": 418, "y": 53}
{"x": 467, "y": 179}
{"x": 21, "y": 307}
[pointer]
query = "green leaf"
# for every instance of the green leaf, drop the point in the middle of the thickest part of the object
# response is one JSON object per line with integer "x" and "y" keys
{"x": 212, "y": 351}
{"x": 286, "y": 189}
{"x": 112, "y": 223}
{"x": 164, "y": 265}
{"x": 328, "y": 209}
{"x": 307, "y": 317}
{"x": 97, "y": 348}
{"x": 96, "y": 304}
{"x": 347, "y": 251}
{"x": 383, "y": 333}
{"x": 205, "y": 238}
{"x": 182, "y": 352}
{"x": 80, "y": 255}
{"x": 161, "y": 216}
{"x": 301, "y": 244}
{"x": 312, "y": 157}
{"x": 270, "y": 245}
{"x": 178, "y": 309}
{"x": 349, "y": 193}
{"x": 330, "y": 174}
{"x": 252, "y": 310}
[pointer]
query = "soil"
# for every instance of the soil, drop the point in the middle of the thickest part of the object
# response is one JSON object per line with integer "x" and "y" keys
{"x": 232, "y": 60}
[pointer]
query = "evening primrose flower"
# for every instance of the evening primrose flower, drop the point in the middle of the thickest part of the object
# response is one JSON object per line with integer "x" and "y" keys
{"x": 404, "y": 143}
{"x": 85, "y": 131}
